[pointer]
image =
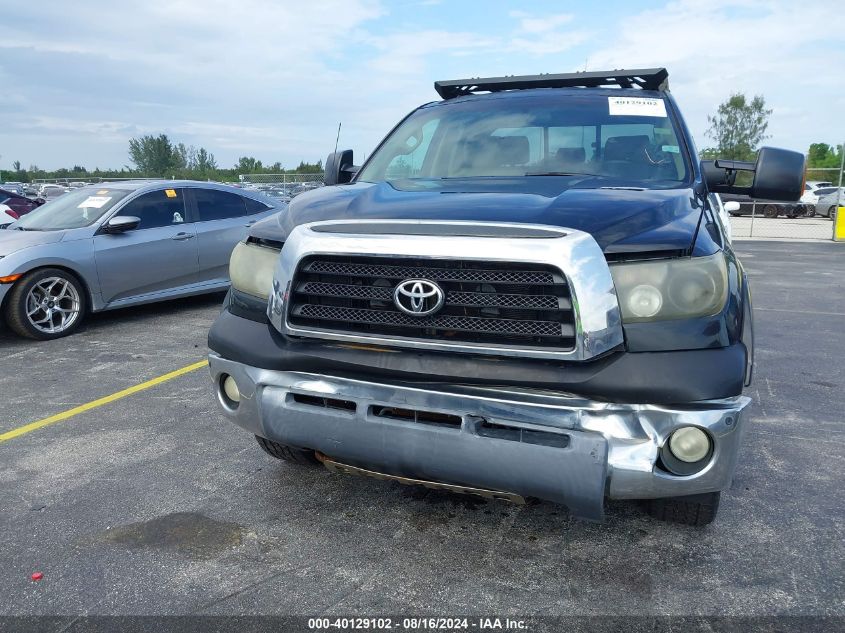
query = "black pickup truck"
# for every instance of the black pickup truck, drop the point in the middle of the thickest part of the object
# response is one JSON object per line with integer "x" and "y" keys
{"x": 525, "y": 291}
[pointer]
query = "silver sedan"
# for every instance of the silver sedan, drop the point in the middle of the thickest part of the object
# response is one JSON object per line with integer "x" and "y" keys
{"x": 826, "y": 204}
{"x": 120, "y": 244}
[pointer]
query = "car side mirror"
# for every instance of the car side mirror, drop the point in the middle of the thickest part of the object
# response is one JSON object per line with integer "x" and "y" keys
{"x": 339, "y": 168}
{"x": 732, "y": 206}
{"x": 40, "y": 201}
{"x": 121, "y": 224}
{"x": 778, "y": 175}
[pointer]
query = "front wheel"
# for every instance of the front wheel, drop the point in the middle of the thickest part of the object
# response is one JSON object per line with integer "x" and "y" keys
{"x": 696, "y": 510}
{"x": 771, "y": 211}
{"x": 287, "y": 453}
{"x": 831, "y": 212}
{"x": 46, "y": 304}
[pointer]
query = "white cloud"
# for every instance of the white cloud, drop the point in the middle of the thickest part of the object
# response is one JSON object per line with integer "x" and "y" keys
{"x": 712, "y": 49}
{"x": 274, "y": 79}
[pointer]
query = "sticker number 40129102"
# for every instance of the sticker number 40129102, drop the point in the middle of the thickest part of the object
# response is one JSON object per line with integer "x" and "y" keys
{"x": 636, "y": 106}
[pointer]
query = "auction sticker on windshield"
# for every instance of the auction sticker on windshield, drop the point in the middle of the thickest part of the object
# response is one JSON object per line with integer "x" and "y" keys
{"x": 93, "y": 202}
{"x": 636, "y": 106}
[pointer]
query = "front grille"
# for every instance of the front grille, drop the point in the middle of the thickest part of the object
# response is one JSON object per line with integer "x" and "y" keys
{"x": 486, "y": 302}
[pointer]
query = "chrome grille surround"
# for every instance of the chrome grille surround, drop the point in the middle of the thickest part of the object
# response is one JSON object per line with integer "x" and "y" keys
{"x": 575, "y": 254}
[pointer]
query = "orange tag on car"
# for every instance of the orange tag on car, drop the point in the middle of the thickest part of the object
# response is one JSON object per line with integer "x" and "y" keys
{"x": 171, "y": 193}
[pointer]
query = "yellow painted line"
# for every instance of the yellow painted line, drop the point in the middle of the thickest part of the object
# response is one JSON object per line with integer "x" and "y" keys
{"x": 64, "y": 415}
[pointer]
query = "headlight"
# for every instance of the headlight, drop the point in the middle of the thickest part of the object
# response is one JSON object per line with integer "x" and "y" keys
{"x": 671, "y": 289}
{"x": 251, "y": 269}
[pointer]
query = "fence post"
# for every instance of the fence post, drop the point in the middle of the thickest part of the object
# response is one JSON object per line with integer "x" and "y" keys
{"x": 753, "y": 212}
{"x": 836, "y": 220}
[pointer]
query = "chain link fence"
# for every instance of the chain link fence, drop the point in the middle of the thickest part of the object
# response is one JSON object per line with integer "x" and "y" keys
{"x": 282, "y": 186}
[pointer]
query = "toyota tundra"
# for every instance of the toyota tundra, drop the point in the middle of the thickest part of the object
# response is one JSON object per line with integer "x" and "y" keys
{"x": 526, "y": 291}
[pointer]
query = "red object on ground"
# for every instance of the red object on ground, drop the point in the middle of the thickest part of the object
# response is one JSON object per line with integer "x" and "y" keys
{"x": 37, "y": 575}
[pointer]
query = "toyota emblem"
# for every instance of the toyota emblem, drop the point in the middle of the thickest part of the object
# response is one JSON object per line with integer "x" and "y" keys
{"x": 418, "y": 297}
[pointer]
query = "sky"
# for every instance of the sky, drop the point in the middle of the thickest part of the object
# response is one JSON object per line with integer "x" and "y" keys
{"x": 272, "y": 79}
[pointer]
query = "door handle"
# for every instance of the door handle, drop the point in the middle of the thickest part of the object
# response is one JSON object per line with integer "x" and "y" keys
{"x": 182, "y": 236}
{"x": 249, "y": 224}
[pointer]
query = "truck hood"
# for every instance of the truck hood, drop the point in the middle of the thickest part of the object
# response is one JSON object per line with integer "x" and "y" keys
{"x": 619, "y": 219}
{"x": 12, "y": 240}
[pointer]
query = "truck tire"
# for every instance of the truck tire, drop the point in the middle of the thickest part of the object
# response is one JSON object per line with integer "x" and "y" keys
{"x": 287, "y": 453}
{"x": 771, "y": 211}
{"x": 45, "y": 304}
{"x": 697, "y": 510}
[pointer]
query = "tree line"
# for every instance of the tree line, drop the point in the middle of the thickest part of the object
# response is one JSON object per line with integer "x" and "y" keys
{"x": 157, "y": 156}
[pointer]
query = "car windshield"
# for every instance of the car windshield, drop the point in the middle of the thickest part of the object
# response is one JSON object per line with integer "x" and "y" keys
{"x": 628, "y": 140}
{"x": 72, "y": 210}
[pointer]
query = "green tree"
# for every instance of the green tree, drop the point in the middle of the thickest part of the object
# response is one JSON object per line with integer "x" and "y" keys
{"x": 739, "y": 126}
{"x": 824, "y": 155}
{"x": 248, "y": 165}
{"x": 156, "y": 155}
{"x": 17, "y": 166}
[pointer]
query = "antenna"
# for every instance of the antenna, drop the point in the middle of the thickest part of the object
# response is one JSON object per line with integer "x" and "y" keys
{"x": 337, "y": 140}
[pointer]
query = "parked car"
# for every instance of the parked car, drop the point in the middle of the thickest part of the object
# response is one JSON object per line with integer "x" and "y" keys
{"x": 524, "y": 292}
{"x": 827, "y": 201}
{"x": 48, "y": 192}
{"x": 121, "y": 244}
{"x": 745, "y": 205}
{"x": 18, "y": 203}
{"x": 811, "y": 193}
{"x": 13, "y": 187}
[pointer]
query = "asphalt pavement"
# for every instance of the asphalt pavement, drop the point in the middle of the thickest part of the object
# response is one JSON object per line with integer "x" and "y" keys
{"x": 155, "y": 504}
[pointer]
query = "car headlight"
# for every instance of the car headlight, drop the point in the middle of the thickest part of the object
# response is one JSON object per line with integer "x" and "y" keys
{"x": 671, "y": 289}
{"x": 251, "y": 268}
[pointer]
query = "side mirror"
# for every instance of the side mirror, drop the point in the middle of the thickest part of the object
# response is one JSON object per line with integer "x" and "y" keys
{"x": 40, "y": 201}
{"x": 121, "y": 224}
{"x": 339, "y": 168}
{"x": 778, "y": 175}
{"x": 732, "y": 206}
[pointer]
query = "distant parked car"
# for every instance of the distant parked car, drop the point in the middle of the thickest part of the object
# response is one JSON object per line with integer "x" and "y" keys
{"x": 811, "y": 193}
{"x": 764, "y": 208}
{"x": 828, "y": 198}
{"x": 120, "y": 244}
{"x": 16, "y": 205}
{"x": 13, "y": 187}
{"x": 48, "y": 192}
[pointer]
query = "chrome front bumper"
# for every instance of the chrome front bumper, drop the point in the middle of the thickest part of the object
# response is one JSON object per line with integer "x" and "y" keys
{"x": 609, "y": 450}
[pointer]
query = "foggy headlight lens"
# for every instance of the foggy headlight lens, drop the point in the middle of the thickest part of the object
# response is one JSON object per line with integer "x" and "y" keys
{"x": 645, "y": 301}
{"x": 672, "y": 288}
{"x": 251, "y": 269}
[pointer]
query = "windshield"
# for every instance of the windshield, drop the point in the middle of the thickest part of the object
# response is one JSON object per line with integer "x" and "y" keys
{"x": 625, "y": 140}
{"x": 72, "y": 210}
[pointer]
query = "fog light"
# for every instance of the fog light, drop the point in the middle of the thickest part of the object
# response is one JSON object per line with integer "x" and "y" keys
{"x": 230, "y": 389}
{"x": 689, "y": 444}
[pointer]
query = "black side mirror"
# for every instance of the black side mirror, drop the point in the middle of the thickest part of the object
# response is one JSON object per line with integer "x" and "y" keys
{"x": 339, "y": 168}
{"x": 778, "y": 175}
{"x": 121, "y": 224}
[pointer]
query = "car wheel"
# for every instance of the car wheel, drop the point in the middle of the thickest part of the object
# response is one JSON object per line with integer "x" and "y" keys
{"x": 811, "y": 211}
{"x": 831, "y": 212}
{"x": 287, "y": 453}
{"x": 770, "y": 211}
{"x": 46, "y": 304}
{"x": 694, "y": 510}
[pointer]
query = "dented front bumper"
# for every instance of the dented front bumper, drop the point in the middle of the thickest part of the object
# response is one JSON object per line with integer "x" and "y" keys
{"x": 558, "y": 447}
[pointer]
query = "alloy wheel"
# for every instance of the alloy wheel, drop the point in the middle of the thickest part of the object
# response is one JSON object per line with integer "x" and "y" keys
{"x": 52, "y": 305}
